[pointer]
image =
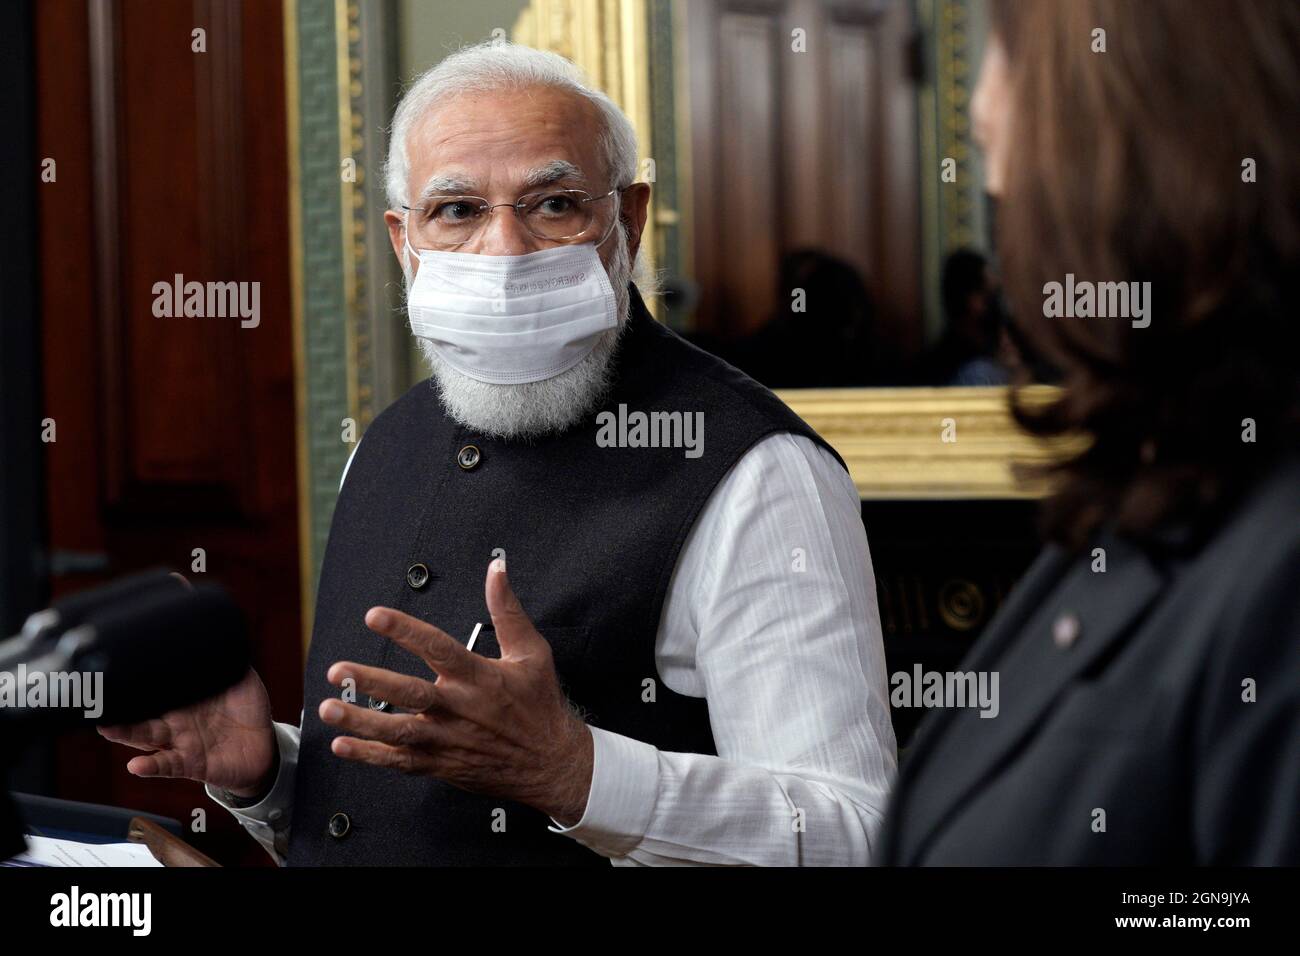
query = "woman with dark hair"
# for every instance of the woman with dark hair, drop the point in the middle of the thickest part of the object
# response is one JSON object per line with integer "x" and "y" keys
{"x": 1146, "y": 158}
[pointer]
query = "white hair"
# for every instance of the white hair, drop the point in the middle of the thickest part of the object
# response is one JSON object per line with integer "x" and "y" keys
{"x": 496, "y": 65}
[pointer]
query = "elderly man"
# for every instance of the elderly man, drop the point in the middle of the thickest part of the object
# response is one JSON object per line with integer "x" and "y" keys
{"x": 692, "y": 671}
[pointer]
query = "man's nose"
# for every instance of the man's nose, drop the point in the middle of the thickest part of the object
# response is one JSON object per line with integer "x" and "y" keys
{"x": 503, "y": 235}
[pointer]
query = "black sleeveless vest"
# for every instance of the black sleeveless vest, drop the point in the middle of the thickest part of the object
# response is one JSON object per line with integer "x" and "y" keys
{"x": 591, "y": 535}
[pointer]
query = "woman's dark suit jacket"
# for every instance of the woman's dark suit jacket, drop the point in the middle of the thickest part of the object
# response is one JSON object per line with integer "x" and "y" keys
{"x": 1127, "y": 692}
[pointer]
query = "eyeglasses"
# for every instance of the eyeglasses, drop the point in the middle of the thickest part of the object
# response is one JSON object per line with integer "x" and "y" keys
{"x": 556, "y": 215}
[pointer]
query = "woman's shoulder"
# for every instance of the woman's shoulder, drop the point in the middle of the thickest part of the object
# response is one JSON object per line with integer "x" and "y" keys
{"x": 1244, "y": 583}
{"x": 1262, "y": 529}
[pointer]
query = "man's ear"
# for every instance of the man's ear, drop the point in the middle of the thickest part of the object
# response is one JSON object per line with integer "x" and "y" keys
{"x": 632, "y": 215}
{"x": 396, "y": 222}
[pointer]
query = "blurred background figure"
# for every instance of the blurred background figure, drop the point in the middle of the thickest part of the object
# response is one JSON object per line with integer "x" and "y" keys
{"x": 822, "y": 334}
{"x": 969, "y": 353}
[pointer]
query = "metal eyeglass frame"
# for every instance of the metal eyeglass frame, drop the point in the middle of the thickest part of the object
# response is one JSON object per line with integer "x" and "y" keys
{"x": 485, "y": 208}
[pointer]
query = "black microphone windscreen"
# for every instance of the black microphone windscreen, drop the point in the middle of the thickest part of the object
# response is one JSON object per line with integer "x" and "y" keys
{"x": 75, "y": 608}
{"x": 165, "y": 649}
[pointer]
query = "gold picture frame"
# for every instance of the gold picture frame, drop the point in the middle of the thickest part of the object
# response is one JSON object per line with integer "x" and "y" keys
{"x": 929, "y": 443}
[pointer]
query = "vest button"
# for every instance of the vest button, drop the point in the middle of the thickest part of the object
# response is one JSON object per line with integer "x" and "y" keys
{"x": 417, "y": 576}
{"x": 339, "y": 826}
{"x": 469, "y": 457}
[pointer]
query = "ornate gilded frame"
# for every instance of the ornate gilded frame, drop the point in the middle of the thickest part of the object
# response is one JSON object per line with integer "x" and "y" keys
{"x": 337, "y": 55}
{"x": 927, "y": 442}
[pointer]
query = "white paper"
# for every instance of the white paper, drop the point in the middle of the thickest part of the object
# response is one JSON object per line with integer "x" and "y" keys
{"x": 45, "y": 851}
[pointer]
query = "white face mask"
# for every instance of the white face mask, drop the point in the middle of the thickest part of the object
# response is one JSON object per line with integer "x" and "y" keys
{"x": 507, "y": 320}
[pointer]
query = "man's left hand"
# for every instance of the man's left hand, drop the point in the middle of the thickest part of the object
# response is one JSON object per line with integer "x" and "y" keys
{"x": 501, "y": 727}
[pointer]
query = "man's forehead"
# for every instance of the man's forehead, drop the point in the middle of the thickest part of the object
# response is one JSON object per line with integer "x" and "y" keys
{"x": 506, "y": 136}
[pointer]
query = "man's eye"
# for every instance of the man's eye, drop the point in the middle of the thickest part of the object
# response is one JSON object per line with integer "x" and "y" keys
{"x": 556, "y": 205}
{"x": 456, "y": 211}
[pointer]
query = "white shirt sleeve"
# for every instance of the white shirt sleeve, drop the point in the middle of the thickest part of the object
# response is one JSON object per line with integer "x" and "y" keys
{"x": 771, "y": 616}
{"x": 267, "y": 821}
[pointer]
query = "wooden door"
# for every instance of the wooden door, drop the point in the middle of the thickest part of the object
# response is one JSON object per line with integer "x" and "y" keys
{"x": 803, "y": 131}
{"x": 173, "y": 433}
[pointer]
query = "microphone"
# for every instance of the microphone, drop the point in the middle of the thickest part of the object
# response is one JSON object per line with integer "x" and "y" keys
{"x": 72, "y": 610}
{"x": 159, "y": 649}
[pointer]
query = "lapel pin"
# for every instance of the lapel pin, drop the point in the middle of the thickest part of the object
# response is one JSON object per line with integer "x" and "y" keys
{"x": 1065, "y": 631}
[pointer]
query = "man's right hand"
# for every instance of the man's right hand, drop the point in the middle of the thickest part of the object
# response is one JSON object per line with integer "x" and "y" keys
{"x": 227, "y": 741}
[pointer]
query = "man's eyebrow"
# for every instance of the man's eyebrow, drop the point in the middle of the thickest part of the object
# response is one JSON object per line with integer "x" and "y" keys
{"x": 553, "y": 172}
{"x": 451, "y": 185}
{"x": 441, "y": 185}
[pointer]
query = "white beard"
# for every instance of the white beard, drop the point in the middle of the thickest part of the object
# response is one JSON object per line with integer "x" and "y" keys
{"x": 532, "y": 409}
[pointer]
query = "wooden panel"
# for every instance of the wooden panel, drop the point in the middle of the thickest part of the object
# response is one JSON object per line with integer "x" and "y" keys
{"x": 746, "y": 198}
{"x": 853, "y": 211}
{"x": 897, "y": 267}
{"x": 173, "y": 434}
{"x": 167, "y": 162}
{"x": 703, "y": 227}
{"x": 808, "y": 130}
{"x": 797, "y": 148}
{"x": 72, "y": 366}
